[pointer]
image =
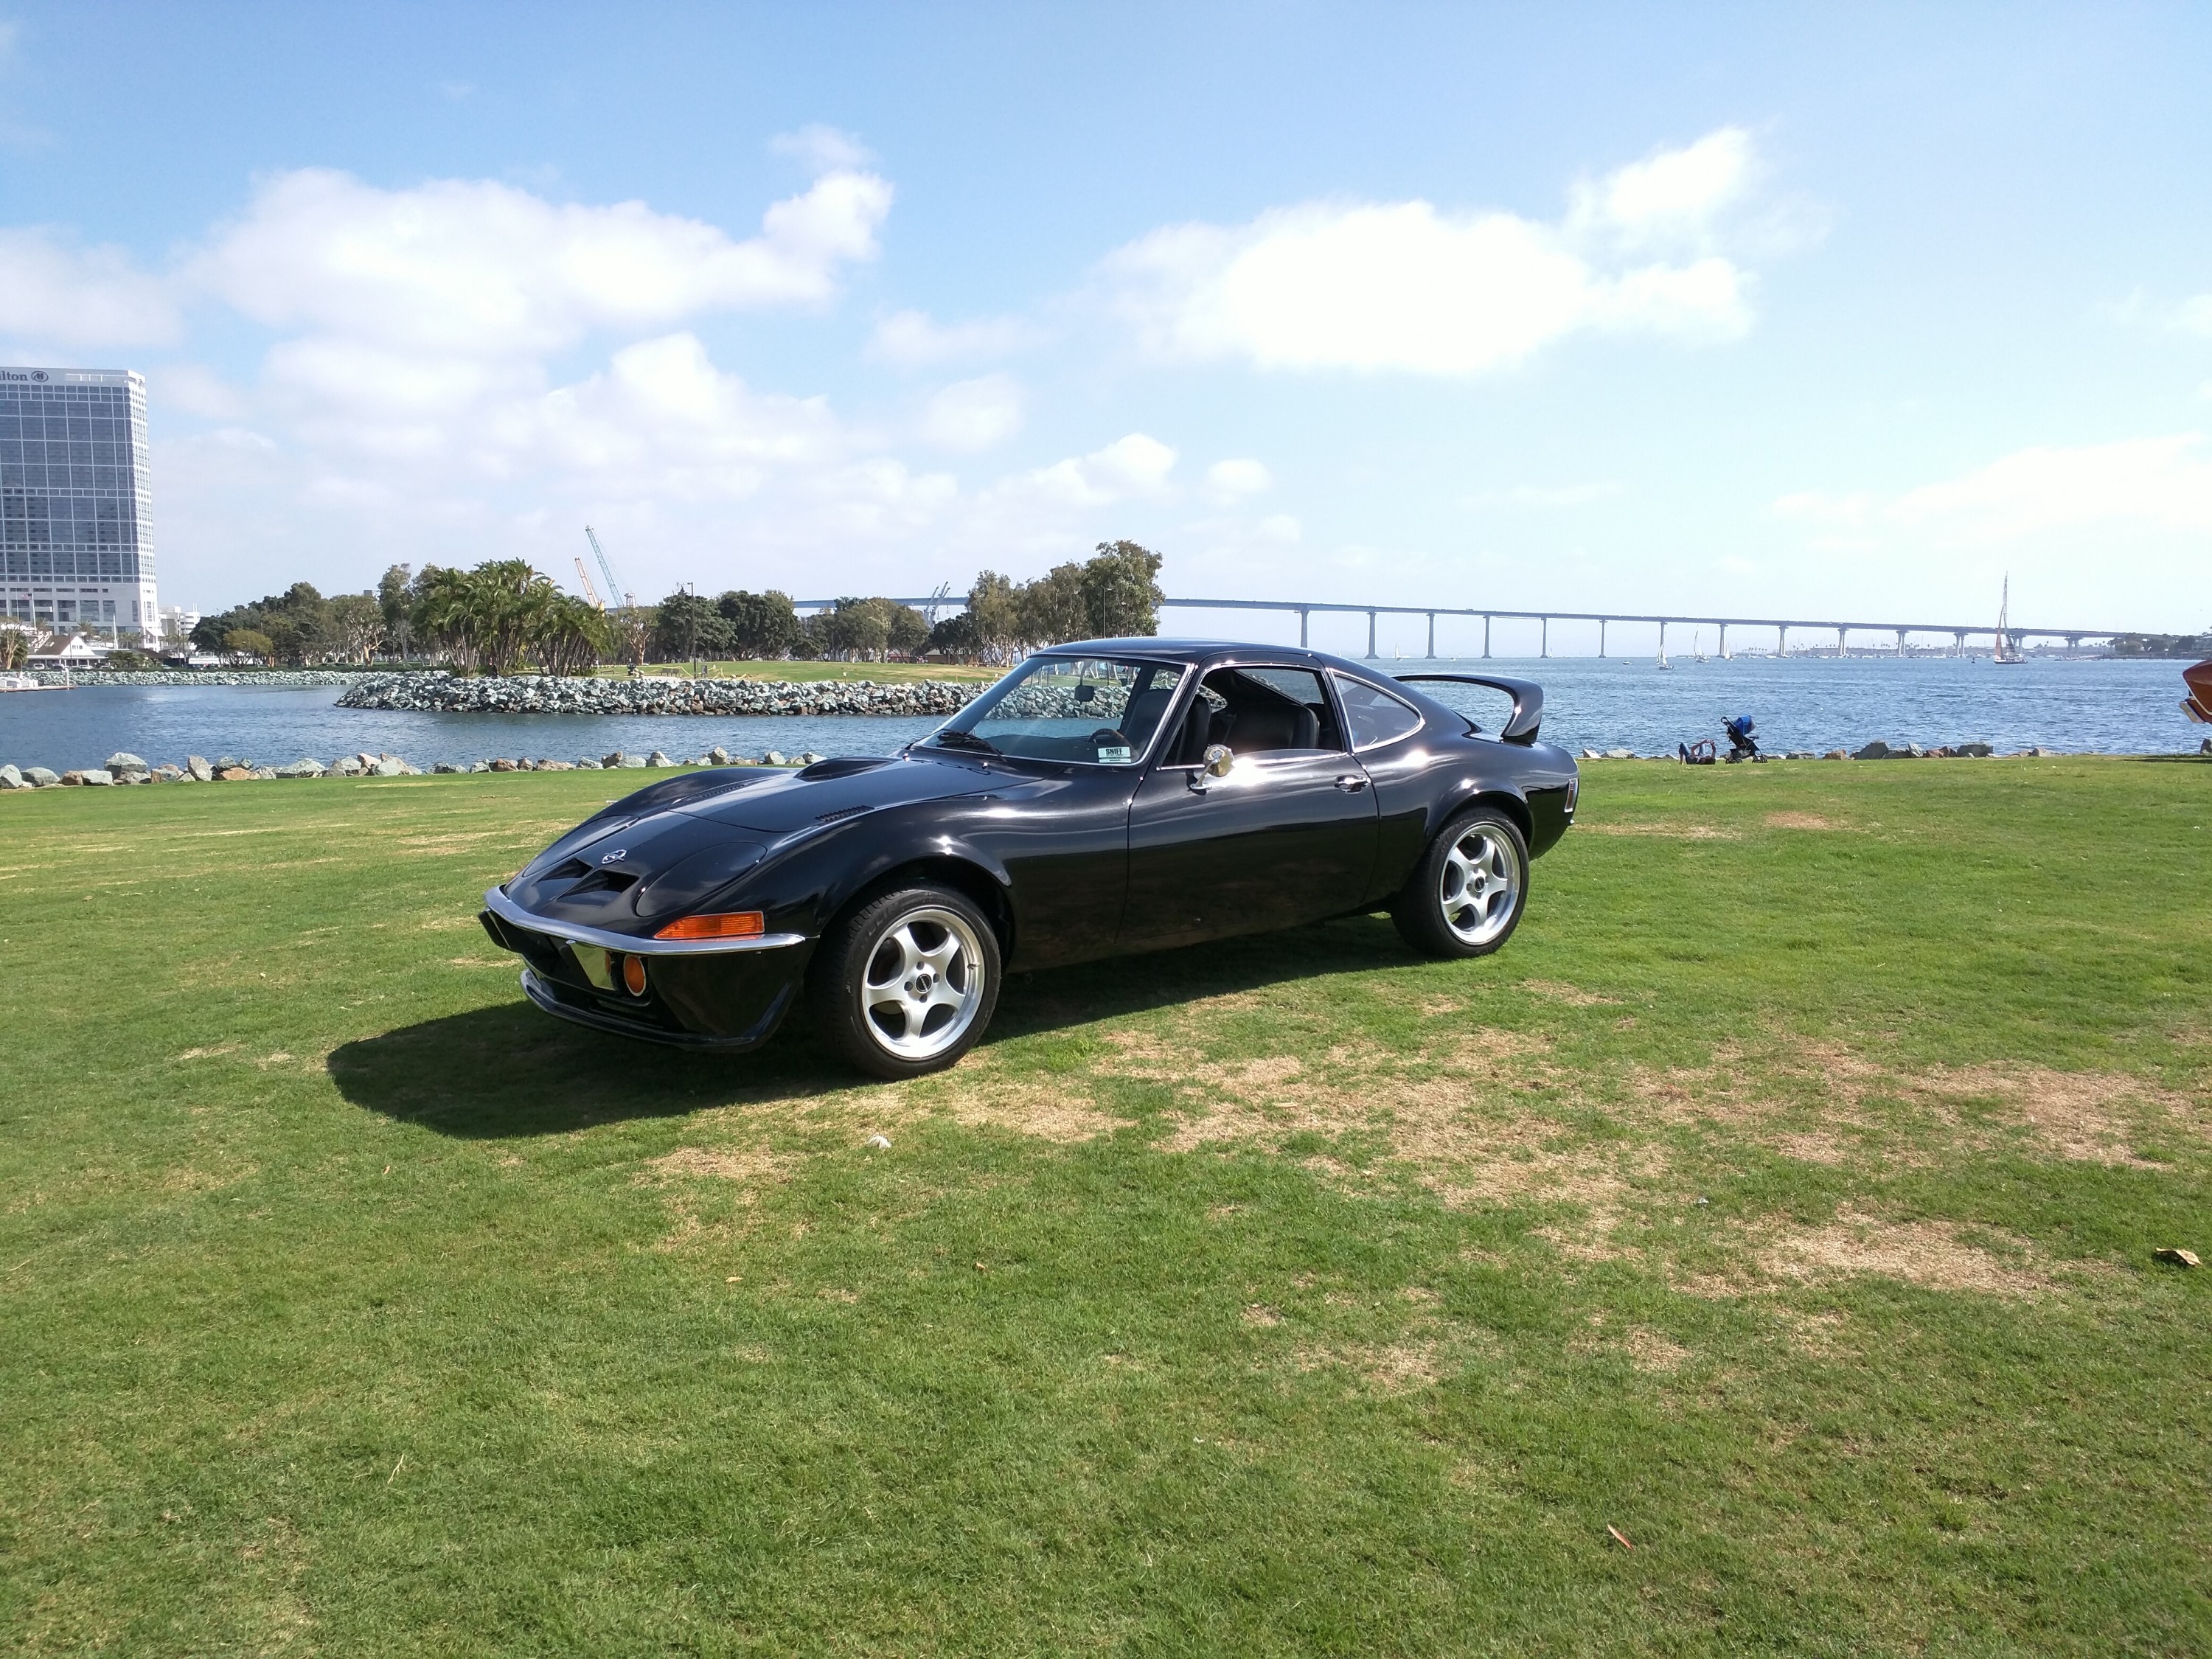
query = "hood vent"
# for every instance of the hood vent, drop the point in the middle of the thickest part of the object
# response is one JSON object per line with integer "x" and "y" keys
{"x": 842, "y": 813}
{"x": 603, "y": 881}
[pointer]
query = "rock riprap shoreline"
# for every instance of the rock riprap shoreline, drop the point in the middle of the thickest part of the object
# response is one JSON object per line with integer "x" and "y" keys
{"x": 273, "y": 679}
{"x": 544, "y": 694}
{"x": 125, "y": 768}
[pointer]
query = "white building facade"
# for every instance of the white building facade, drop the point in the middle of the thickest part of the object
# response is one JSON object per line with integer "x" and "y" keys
{"x": 77, "y": 543}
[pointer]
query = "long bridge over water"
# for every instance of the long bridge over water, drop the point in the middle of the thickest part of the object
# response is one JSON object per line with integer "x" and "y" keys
{"x": 1305, "y": 611}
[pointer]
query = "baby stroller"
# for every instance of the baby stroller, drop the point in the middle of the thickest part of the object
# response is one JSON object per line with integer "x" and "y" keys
{"x": 1743, "y": 746}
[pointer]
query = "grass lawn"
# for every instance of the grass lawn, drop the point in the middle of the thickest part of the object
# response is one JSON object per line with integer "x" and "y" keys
{"x": 883, "y": 673}
{"x": 1782, "y": 1197}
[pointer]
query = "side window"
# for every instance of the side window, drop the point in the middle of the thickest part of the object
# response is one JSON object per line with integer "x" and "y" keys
{"x": 1376, "y": 717}
{"x": 1261, "y": 710}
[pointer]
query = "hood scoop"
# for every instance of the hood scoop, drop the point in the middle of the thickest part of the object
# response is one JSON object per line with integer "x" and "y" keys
{"x": 843, "y": 766}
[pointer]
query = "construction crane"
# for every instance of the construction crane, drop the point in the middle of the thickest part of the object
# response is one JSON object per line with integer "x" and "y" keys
{"x": 590, "y": 592}
{"x": 606, "y": 569}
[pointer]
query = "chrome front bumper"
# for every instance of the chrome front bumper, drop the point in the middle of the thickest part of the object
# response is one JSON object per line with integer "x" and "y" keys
{"x": 514, "y": 915}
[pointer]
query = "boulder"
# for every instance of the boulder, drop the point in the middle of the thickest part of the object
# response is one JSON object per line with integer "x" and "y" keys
{"x": 502, "y": 766}
{"x": 132, "y": 777}
{"x": 773, "y": 758}
{"x": 809, "y": 758}
{"x": 445, "y": 766}
{"x": 1974, "y": 751}
{"x": 1620, "y": 754}
{"x": 123, "y": 761}
{"x": 12, "y": 779}
{"x": 391, "y": 766}
{"x": 630, "y": 763}
{"x": 198, "y": 769}
{"x": 233, "y": 774}
{"x": 302, "y": 768}
{"x": 1875, "y": 750}
{"x": 167, "y": 773}
{"x": 261, "y": 773}
{"x": 657, "y": 759}
{"x": 88, "y": 775}
{"x": 556, "y": 766}
{"x": 229, "y": 763}
{"x": 718, "y": 755}
{"x": 611, "y": 762}
{"x": 1799, "y": 754}
{"x": 1835, "y": 754}
{"x": 587, "y": 764}
{"x": 40, "y": 777}
{"x": 479, "y": 766}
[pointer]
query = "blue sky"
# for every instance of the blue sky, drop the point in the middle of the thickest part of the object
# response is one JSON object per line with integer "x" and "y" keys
{"x": 1709, "y": 308}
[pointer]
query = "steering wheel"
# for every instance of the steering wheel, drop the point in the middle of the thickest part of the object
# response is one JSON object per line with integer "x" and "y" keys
{"x": 1107, "y": 737}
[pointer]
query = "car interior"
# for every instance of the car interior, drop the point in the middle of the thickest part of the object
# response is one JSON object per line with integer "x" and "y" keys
{"x": 1255, "y": 711}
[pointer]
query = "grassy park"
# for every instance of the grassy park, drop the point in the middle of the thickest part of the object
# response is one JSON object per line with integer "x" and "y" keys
{"x": 1781, "y": 1203}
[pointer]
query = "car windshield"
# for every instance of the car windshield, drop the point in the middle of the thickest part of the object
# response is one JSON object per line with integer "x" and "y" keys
{"x": 1098, "y": 711}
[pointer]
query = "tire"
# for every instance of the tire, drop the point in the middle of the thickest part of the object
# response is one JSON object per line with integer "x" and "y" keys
{"x": 886, "y": 971}
{"x": 1466, "y": 896}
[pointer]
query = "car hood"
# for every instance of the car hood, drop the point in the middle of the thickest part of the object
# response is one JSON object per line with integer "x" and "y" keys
{"x": 831, "y": 790}
{"x": 665, "y": 849}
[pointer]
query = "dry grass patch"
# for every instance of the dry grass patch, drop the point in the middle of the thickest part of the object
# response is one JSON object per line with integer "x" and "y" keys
{"x": 1929, "y": 1254}
{"x": 1799, "y": 821}
{"x": 1573, "y": 995}
{"x": 1390, "y": 1368}
{"x": 1653, "y": 1351}
{"x": 747, "y": 1167}
{"x": 2081, "y": 1116}
{"x": 1665, "y": 829}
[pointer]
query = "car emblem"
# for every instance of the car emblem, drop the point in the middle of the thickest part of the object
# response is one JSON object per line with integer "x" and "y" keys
{"x": 619, "y": 853}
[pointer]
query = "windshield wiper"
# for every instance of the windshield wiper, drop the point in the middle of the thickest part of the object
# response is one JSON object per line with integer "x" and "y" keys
{"x": 950, "y": 740}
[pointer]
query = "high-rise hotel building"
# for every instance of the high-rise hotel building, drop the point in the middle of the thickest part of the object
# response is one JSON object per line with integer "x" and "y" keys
{"x": 76, "y": 544}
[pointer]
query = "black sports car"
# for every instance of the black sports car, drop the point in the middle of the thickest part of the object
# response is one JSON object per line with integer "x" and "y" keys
{"x": 1104, "y": 797}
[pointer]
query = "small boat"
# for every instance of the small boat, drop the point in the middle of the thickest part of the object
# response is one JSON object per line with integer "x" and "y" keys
{"x": 1664, "y": 663}
{"x": 24, "y": 682}
{"x": 2007, "y": 651}
{"x": 1697, "y": 646}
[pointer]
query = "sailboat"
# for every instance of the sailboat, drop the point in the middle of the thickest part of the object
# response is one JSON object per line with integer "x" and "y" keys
{"x": 1664, "y": 663}
{"x": 1697, "y": 645}
{"x": 2006, "y": 651}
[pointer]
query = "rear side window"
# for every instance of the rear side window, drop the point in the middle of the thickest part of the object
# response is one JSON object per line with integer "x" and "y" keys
{"x": 1374, "y": 716}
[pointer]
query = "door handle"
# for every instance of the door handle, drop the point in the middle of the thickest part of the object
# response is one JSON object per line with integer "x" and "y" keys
{"x": 1351, "y": 784}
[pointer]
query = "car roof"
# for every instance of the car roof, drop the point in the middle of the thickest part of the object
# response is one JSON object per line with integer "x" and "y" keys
{"x": 1202, "y": 650}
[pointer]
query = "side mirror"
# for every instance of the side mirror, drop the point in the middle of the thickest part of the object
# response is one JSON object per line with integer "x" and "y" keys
{"x": 1218, "y": 760}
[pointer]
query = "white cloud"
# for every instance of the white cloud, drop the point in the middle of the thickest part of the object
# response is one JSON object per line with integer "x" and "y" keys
{"x": 2161, "y": 482}
{"x": 911, "y": 339}
{"x": 2139, "y": 484}
{"x": 1135, "y": 465}
{"x": 53, "y": 292}
{"x": 970, "y": 415}
{"x": 478, "y": 269}
{"x": 2194, "y": 316}
{"x": 1234, "y": 480}
{"x": 821, "y": 149}
{"x": 1280, "y": 528}
{"x": 1673, "y": 197}
{"x": 1403, "y": 286}
{"x": 196, "y": 389}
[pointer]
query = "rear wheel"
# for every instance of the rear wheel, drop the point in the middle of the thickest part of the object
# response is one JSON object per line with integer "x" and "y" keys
{"x": 1466, "y": 896}
{"x": 906, "y": 984}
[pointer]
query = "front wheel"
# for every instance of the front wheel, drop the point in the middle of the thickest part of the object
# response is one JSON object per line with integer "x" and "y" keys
{"x": 906, "y": 984}
{"x": 1466, "y": 896}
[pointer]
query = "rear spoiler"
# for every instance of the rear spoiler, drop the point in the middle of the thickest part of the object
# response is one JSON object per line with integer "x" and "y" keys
{"x": 1528, "y": 715}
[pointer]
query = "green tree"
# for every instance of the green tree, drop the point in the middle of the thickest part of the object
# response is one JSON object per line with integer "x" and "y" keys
{"x": 1054, "y": 608}
{"x": 1121, "y": 592}
{"x": 357, "y": 625}
{"x": 249, "y": 642}
{"x": 994, "y": 605}
{"x": 760, "y": 624}
{"x": 395, "y": 596}
{"x": 689, "y": 625}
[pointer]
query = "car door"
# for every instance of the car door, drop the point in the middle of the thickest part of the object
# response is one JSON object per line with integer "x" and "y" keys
{"x": 1287, "y": 836}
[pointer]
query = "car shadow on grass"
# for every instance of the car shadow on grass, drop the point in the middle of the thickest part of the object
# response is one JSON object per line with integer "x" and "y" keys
{"x": 511, "y": 1072}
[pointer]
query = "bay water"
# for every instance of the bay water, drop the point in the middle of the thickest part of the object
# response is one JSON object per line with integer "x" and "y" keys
{"x": 2078, "y": 705}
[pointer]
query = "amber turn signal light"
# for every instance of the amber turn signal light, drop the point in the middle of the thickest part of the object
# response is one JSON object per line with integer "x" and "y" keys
{"x": 632, "y": 973}
{"x": 730, "y": 924}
